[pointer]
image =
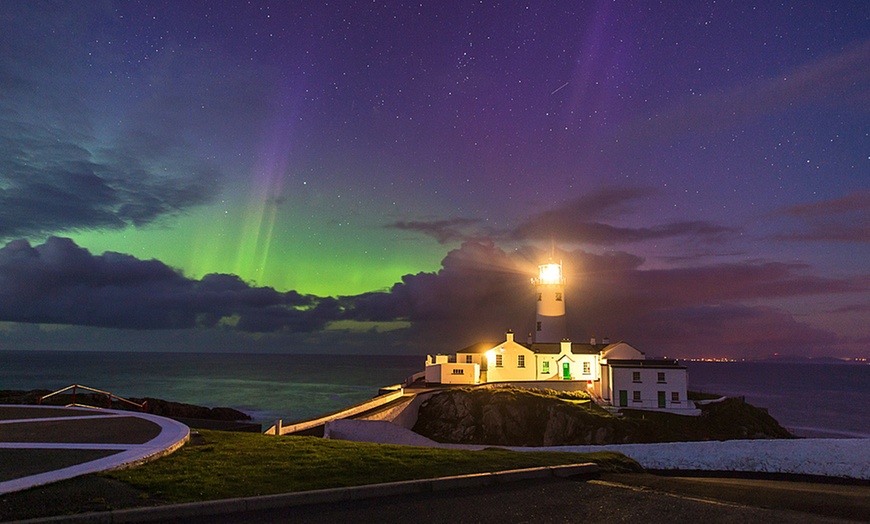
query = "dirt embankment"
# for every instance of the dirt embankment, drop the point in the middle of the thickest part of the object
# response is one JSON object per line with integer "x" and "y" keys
{"x": 518, "y": 417}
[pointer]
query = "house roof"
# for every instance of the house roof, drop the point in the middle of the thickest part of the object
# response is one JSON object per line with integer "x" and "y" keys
{"x": 544, "y": 348}
{"x": 480, "y": 347}
{"x": 648, "y": 363}
{"x": 577, "y": 348}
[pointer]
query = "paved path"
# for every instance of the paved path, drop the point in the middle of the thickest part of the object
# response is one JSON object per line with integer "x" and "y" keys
{"x": 844, "y": 458}
{"x": 42, "y": 444}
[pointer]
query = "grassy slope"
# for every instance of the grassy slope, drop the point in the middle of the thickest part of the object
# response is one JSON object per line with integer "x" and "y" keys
{"x": 219, "y": 465}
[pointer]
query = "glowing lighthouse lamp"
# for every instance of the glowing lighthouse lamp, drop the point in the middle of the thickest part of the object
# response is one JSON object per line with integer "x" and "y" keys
{"x": 550, "y": 311}
{"x": 550, "y": 274}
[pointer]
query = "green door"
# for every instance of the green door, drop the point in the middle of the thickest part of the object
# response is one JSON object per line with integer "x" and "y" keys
{"x": 623, "y": 398}
{"x": 662, "y": 401}
{"x": 566, "y": 371}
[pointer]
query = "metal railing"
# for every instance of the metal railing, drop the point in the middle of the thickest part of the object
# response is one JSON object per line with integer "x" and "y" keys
{"x": 109, "y": 397}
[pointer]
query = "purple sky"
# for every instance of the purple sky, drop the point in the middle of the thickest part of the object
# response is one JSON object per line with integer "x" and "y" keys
{"x": 385, "y": 177}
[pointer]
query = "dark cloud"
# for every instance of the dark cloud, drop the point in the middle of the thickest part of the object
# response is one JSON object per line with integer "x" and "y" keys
{"x": 854, "y": 308}
{"x": 735, "y": 330}
{"x": 707, "y": 310}
{"x": 60, "y": 283}
{"x": 444, "y": 231}
{"x": 47, "y": 186}
{"x": 55, "y": 175}
{"x": 480, "y": 292}
{"x": 586, "y": 220}
{"x": 845, "y": 219}
{"x": 562, "y": 227}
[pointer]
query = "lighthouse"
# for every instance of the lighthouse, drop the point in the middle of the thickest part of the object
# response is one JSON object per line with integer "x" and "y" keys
{"x": 550, "y": 311}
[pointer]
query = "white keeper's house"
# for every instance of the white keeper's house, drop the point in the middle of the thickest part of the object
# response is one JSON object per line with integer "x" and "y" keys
{"x": 616, "y": 374}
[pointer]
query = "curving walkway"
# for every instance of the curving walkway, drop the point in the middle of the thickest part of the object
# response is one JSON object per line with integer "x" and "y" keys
{"x": 845, "y": 458}
{"x": 43, "y": 444}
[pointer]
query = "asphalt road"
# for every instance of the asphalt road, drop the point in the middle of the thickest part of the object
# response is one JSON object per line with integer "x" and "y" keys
{"x": 544, "y": 501}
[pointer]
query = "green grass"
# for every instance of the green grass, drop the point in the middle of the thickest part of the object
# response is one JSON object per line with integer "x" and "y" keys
{"x": 219, "y": 465}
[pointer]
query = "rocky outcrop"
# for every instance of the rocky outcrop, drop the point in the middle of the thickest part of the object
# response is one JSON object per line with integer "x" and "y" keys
{"x": 165, "y": 408}
{"x": 154, "y": 406}
{"x": 517, "y": 417}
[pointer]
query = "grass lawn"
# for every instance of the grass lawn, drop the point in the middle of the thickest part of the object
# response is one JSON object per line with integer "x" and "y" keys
{"x": 217, "y": 465}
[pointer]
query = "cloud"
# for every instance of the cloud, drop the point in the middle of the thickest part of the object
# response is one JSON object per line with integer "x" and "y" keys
{"x": 582, "y": 220}
{"x": 50, "y": 185}
{"x": 480, "y": 291}
{"x": 735, "y": 330}
{"x": 842, "y": 79}
{"x": 476, "y": 293}
{"x": 57, "y": 175}
{"x": 585, "y": 219}
{"x": 845, "y": 219}
{"x": 60, "y": 283}
{"x": 125, "y": 146}
{"x": 444, "y": 231}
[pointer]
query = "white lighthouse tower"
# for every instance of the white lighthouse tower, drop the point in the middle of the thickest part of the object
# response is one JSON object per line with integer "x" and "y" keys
{"x": 550, "y": 312}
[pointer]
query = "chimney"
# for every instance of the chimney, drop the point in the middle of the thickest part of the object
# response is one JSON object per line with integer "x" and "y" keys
{"x": 592, "y": 340}
{"x": 565, "y": 346}
{"x": 530, "y": 338}
{"x": 509, "y": 336}
{"x": 605, "y": 340}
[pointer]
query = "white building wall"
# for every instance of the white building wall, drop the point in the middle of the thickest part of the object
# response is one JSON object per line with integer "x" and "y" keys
{"x": 452, "y": 373}
{"x": 510, "y": 361}
{"x": 642, "y": 388}
{"x": 550, "y": 325}
{"x": 550, "y": 370}
{"x": 586, "y": 367}
{"x": 433, "y": 373}
{"x": 471, "y": 358}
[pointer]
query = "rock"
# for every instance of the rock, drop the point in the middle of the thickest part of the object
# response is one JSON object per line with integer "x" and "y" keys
{"x": 154, "y": 406}
{"x": 508, "y": 416}
{"x": 166, "y": 408}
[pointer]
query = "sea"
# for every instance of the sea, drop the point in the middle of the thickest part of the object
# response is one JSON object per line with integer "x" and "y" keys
{"x": 811, "y": 399}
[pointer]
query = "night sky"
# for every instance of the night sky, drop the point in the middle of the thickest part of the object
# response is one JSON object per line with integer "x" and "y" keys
{"x": 384, "y": 177}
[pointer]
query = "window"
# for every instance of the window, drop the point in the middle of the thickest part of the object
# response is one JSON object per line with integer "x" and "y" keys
{"x": 635, "y": 377}
{"x": 587, "y": 368}
{"x": 545, "y": 367}
{"x": 540, "y": 297}
{"x": 468, "y": 359}
{"x": 499, "y": 361}
{"x": 521, "y": 361}
{"x": 661, "y": 377}
{"x": 635, "y": 396}
{"x": 558, "y": 297}
{"x": 538, "y": 326}
{"x": 675, "y": 396}
{"x": 457, "y": 371}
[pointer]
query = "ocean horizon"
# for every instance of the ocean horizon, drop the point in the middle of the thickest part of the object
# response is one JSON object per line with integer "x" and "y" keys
{"x": 811, "y": 399}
